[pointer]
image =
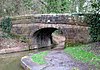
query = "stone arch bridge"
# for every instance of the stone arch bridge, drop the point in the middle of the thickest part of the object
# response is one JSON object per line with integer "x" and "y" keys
{"x": 41, "y": 32}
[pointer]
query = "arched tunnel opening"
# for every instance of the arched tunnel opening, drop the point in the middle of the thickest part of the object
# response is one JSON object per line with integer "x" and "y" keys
{"x": 44, "y": 37}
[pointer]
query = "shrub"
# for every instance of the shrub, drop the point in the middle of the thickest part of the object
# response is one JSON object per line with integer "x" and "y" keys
{"x": 93, "y": 21}
{"x": 6, "y": 25}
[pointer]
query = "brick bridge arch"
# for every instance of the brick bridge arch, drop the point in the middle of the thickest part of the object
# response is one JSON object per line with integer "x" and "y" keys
{"x": 72, "y": 33}
{"x": 39, "y": 26}
{"x": 42, "y": 34}
{"x": 43, "y": 37}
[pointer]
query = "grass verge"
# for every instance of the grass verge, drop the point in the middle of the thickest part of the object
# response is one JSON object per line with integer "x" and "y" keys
{"x": 39, "y": 57}
{"x": 77, "y": 51}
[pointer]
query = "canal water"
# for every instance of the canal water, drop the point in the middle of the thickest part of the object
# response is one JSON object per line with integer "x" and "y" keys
{"x": 12, "y": 61}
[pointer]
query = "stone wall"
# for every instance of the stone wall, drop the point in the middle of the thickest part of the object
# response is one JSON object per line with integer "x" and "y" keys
{"x": 74, "y": 31}
{"x": 77, "y": 35}
{"x": 71, "y": 32}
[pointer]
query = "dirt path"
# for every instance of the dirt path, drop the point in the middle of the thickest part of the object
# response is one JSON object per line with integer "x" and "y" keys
{"x": 61, "y": 61}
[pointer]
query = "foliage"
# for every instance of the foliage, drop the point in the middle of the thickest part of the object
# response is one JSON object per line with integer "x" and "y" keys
{"x": 15, "y": 7}
{"x": 39, "y": 57}
{"x": 95, "y": 6}
{"x": 79, "y": 53}
{"x": 28, "y": 3}
{"x": 93, "y": 21}
{"x": 76, "y": 6}
{"x": 20, "y": 7}
{"x": 6, "y": 25}
{"x": 66, "y": 6}
{"x": 57, "y": 6}
{"x": 8, "y": 7}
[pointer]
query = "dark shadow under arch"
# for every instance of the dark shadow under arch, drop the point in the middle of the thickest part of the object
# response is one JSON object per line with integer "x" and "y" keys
{"x": 43, "y": 37}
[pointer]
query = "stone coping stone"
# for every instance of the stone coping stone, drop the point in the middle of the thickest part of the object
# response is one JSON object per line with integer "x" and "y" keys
{"x": 50, "y": 68}
{"x": 12, "y": 50}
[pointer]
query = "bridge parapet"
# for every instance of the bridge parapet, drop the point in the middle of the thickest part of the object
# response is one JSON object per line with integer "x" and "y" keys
{"x": 60, "y": 19}
{"x": 50, "y": 19}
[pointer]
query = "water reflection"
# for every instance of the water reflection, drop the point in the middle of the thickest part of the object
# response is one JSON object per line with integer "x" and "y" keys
{"x": 12, "y": 61}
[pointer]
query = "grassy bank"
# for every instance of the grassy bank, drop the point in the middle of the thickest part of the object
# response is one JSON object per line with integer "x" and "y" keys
{"x": 77, "y": 52}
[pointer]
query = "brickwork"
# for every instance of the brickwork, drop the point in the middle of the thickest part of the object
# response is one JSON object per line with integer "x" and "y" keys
{"x": 73, "y": 33}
